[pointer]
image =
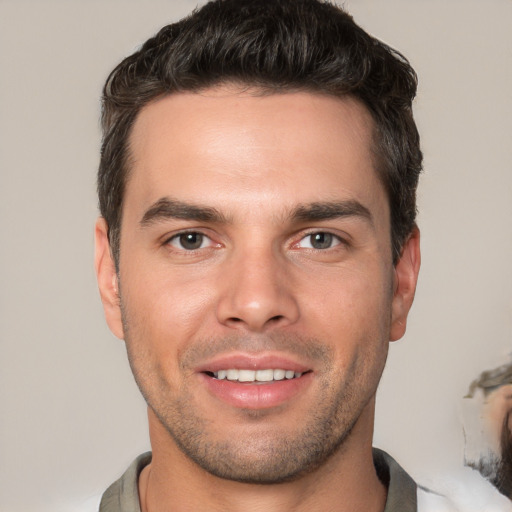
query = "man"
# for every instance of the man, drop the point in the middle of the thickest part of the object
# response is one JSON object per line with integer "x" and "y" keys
{"x": 257, "y": 250}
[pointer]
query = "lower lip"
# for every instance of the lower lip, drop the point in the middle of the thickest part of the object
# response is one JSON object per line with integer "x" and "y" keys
{"x": 256, "y": 395}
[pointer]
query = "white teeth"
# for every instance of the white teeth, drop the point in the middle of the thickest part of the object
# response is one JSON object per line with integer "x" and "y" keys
{"x": 279, "y": 374}
{"x": 256, "y": 375}
{"x": 264, "y": 375}
{"x": 232, "y": 374}
{"x": 246, "y": 375}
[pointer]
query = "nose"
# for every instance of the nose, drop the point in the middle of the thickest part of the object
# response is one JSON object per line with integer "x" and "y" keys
{"x": 257, "y": 293}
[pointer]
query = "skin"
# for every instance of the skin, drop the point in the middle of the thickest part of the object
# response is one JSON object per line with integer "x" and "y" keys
{"x": 257, "y": 288}
{"x": 496, "y": 406}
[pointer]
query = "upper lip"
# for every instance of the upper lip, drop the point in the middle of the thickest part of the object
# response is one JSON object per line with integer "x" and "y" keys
{"x": 244, "y": 361}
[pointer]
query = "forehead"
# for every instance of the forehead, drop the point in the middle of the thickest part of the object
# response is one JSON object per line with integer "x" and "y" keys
{"x": 228, "y": 147}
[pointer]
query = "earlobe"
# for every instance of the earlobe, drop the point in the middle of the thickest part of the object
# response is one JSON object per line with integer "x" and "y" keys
{"x": 406, "y": 277}
{"x": 107, "y": 278}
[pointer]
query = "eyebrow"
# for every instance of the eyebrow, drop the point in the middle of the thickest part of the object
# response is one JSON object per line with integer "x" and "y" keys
{"x": 167, "y": 208}
{"x": 319, "y": 211}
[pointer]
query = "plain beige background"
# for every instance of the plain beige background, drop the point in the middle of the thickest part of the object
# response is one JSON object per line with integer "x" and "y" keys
{"x": 71, "y": 418}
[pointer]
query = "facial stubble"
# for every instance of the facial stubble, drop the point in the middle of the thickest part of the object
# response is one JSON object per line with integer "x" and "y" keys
{"x": 261, "y": 452}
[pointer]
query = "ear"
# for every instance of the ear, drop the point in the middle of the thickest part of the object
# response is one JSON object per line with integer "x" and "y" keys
{"x": 107, "y": 278}
{"x": 404, "y": 287}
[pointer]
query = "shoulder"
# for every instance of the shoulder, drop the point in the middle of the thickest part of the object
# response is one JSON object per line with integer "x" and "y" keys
{"x": 465, "y": 490}
{"x": 429, "y": 501}
{"x": 461, "y": 491}
{"x": 401, "y": 495}
{"x": 123, "y": 494}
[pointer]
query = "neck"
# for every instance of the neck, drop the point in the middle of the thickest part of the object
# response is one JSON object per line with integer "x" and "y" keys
{"x": 347, "y": 481}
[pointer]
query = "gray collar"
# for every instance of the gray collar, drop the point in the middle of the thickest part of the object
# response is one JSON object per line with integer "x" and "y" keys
{"x": 123, "y": 494}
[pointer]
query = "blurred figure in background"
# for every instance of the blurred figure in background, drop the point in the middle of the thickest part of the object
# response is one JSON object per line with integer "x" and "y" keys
{"x": 488, "y": 427}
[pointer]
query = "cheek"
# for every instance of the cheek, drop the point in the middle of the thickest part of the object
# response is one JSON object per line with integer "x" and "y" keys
{"x": 165, "y": 308}
{"x": 354, "y": 318}
{"x": 353, "y": 301}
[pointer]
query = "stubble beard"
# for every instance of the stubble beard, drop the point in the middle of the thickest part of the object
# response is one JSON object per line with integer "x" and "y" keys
{"x": 262, "y": 456}
{"x": 267, "y": 458}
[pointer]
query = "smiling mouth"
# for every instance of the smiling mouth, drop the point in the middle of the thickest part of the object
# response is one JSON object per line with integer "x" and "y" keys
{"x": 257, "y": 376}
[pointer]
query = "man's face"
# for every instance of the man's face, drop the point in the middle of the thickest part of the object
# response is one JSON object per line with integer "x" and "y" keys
{"x": 256, "y": 282}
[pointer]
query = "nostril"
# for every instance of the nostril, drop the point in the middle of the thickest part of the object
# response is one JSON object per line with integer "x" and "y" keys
{"x": 272, "y": 320}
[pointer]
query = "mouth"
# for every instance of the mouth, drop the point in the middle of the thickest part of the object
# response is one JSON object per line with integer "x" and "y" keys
{"x": 255, "y": 376}
{"x": 255, "y": 382}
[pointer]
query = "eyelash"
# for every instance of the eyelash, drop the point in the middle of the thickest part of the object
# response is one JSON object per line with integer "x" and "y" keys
{"x": 334, "y": 240}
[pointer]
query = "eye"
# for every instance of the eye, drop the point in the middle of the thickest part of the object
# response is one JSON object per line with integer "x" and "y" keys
{"x": 190, "y": 241}
{"x": 320, "y": 240}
